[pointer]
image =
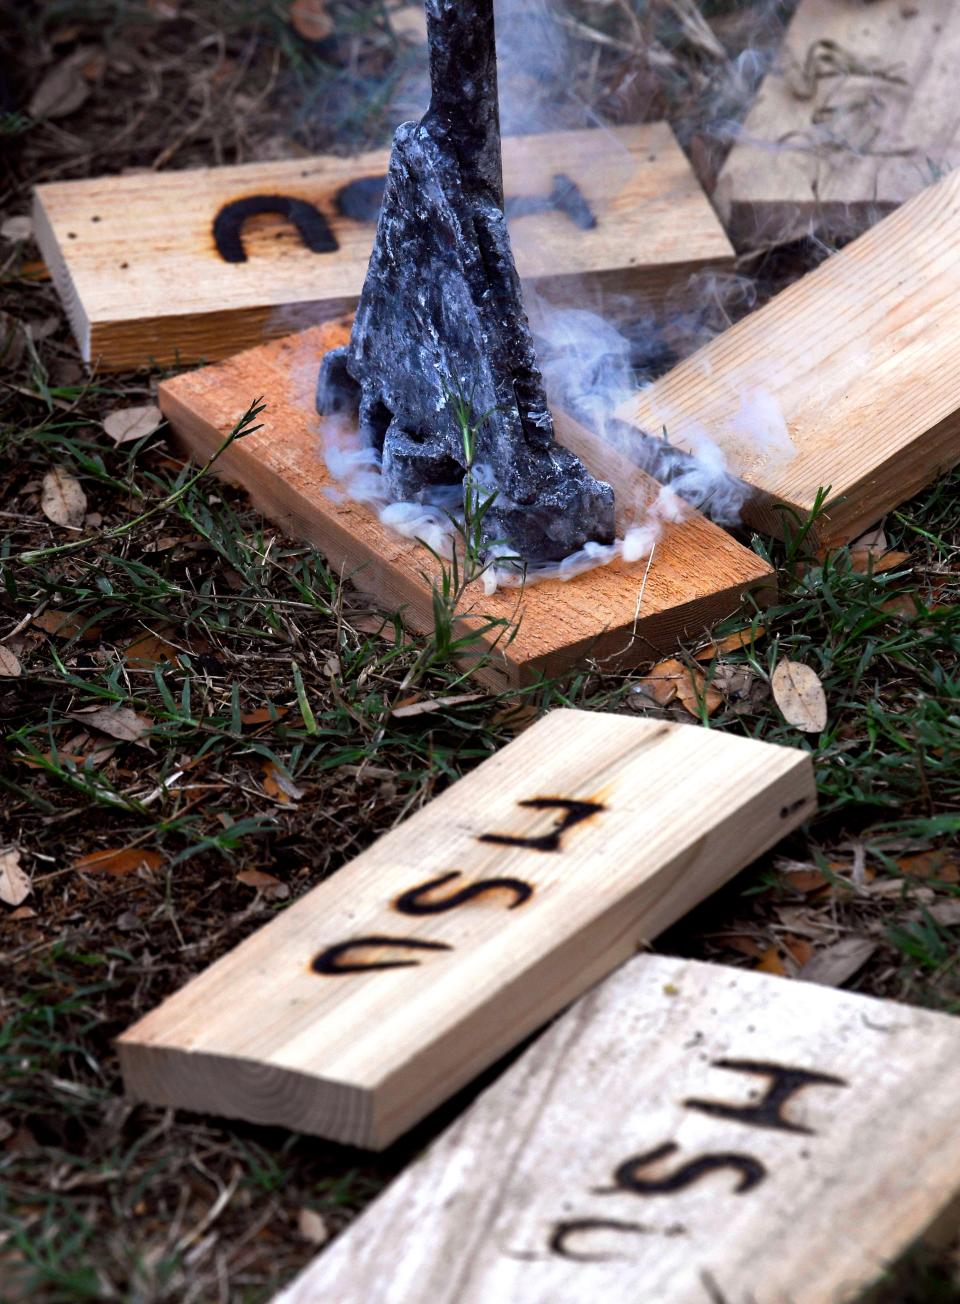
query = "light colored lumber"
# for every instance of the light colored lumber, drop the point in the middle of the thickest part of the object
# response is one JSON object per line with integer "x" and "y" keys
{"x": 698, "y": 573}
{"x": 860, "y": 359}
{"x": 833, "y": 153}
{"x": 477, "y": 1219}
{"x": 666, "y": 814}
{"x": 134, "y": 258}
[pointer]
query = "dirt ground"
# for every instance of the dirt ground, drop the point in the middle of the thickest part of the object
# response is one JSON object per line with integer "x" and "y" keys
{"x": 256, "y": 752}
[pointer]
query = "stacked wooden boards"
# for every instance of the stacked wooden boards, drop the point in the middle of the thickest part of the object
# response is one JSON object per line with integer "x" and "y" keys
{"x": 387, "y": 988}
{"x": 686, "y": 1134}
{"x": 857, "y": 117}
{"x": 857, "y": 363}
{"x": 194, "y": 265}
{"x": 621, "y": 612}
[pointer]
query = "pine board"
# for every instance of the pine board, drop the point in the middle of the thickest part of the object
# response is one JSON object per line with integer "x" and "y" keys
{"x": 862, "y": 359}
{"x": 698, "y": 575}
{"x": 135, "y": 261}
{"x": 599, "y": 831}
{"x": 527, "y": 1198}
{"x": 835, "y": 153}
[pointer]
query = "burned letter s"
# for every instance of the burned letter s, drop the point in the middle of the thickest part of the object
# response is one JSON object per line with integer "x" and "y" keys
{"x": 441, "y": 313}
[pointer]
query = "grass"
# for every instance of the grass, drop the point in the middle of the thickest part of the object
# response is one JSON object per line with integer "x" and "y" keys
{"x": 264, "y": 751}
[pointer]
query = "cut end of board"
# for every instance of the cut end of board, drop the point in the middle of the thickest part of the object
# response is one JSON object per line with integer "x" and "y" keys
{"x": 620, "y": 614}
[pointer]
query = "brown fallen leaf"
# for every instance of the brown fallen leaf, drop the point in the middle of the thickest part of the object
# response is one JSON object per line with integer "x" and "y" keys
{"x": 309, "y": 19}
{"x": 125, "y": 425}
{"x": 379, "y": 626}
{"x": 863, "y": 560}
{"x": 13, "y": 342}
{"x": 696, "y": 696}
{"x": 804, "y": 880}
{"x": 278, "y": 785}
{"x": 62, "y": 499}
{"x": 770, "y": 962}
{"x": 801, "y": 950}
{"x": 735, "y": 642}
{"x": 10, "y": 667}
{"x": 833, "y": 966}
{"x": 661, "y": 682}
{"x": 263, "y": 715}
{"x": 64, "y": 624}
{"x": 942, "y": 866}
{"x": 798, "y": 692}
{"x": 116, "y": 721}
{"x": 272, "y": 888}
{"x": 149, "y": 650}
{"x": 118, "y": 861}
{"x": 15, "y": 885}
{"x": 427, "y": 704}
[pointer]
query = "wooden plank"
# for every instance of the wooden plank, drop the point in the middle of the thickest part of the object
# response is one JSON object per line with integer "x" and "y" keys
{"x": 135, "y": 260}
{"x": 507, "y": 897}
{"x": 856, "y": 118}
{"x": 858, "y": 360}
{"x": 698, "y": 573}
{"x": 627, "y": 1157}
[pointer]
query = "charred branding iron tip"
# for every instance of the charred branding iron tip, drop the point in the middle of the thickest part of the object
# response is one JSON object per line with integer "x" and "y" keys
{"x": 441, "y": 312}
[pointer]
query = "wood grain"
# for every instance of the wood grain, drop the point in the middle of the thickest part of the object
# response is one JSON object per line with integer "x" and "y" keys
{"x": 135, "y": 262}
{"x": 860, "y": 360}
{"x": 698, "y": 574}
{"x": 599, "y": 831}
{"x": 478, "y": 1217}
{"x": 836, "y": 152}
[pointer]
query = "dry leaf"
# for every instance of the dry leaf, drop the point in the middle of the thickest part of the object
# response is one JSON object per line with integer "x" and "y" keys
{"x": 62, "y": 499}
{"x": 423, "y": 707}
{"x": 124, "y": 425}
{"x": 116, "y": 721}
{"x": 15, "y": 885}
{"x": 271, "y": 887}
{"x": 16, "y": 228}
{"x": 863, "y": 560}
{"x": 118, "y": 861}
{"x": 696, "y": 696}
{"x": 799, "y": 694}
{"x": 9, "y": 665}
{"x": 832, "y": 967}
{"x": 64, "y": 624}
{"x": 63, "y": 90}
{"x": 804, "y": 880}
{"x": 277, "y": 785}
{"x": 380, "y": 626}
{"x": 149, "y": 650}
{"x": 312, "y": 1227}
{"x": 309, "y": 19}
{"x": 801, "y": 951}
{"x": 263, "y": 715}
{"x": 938, "y": 865}
{"x": 661, "y": 683}
{"x": 732, "y": 643}
{"x": 13, "y": 342}
{"x": 770, "y": 962}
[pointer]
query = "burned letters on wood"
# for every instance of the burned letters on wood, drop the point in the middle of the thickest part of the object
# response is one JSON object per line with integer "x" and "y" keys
{"x": 441, "y": 315}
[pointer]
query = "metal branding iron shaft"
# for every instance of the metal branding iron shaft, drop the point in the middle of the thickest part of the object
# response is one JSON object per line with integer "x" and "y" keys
{"x": 441, "y": 313}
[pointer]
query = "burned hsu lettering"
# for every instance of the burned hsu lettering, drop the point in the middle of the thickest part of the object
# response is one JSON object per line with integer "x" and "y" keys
{"x": 312, "y": 227}
{"x": 574, "y": 812}
{"x": 569, "y": 1227}
{"x": 414, "y": 901}
{"x": 784, "y": 1082}
{"x": 332, "y": 961}
{"x": 627, "y": 1175}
